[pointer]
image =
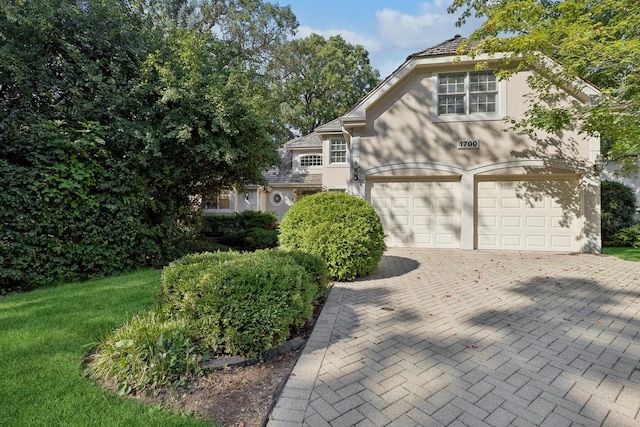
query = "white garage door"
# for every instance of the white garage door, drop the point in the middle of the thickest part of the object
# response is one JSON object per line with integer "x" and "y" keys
{"x": 418, "y": 214}
{"x": 529, "y": 215}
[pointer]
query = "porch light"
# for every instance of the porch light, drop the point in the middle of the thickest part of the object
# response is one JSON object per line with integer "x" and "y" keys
{"x": 599, "y": 163}
{"x": 356, "y": 171}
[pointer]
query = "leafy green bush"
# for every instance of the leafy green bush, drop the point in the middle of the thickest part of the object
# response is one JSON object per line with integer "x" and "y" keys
{"x": 627, "y": 237}
{"x": 149, "y": 351}
{"x": 255, "y": 219}
{"x": 618, "y": 205}
{"x": 220, "y": 225}
{"x": 343, "y": 230}
{"x": 239, "y": 303}
{"x": 246, "y": 231}
{"x": 251, "y": 239}
{"x": 314, "y": 266}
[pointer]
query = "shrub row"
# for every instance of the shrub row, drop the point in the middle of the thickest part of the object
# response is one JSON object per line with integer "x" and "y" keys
{"x": 213, "y": 304}
{"x": 246, "y": 231}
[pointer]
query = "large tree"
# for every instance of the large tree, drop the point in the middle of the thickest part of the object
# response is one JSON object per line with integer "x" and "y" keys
{"x": 114, "y": 113}
{"x": 321, "y": 79}
{"x": 596, "y": 41}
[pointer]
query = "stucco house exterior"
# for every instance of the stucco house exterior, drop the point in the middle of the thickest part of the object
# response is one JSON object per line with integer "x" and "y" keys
{"x": 430, "y": 149}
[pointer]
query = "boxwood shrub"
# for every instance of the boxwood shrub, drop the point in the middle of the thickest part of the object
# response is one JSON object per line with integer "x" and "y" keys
{"x": 344, "y": 230}
{"x": 239, "y": 303}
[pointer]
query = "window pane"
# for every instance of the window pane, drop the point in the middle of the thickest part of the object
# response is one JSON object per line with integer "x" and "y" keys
{"x": 451, "y": 104}
{"x": 482, "y": 82}
{"x": 483, "y": 103}
{"x": 338, "y": 151}
{"x": 224, "y": 201}
{"x": 451, "y": 83}
{"x": 311, "y": 160}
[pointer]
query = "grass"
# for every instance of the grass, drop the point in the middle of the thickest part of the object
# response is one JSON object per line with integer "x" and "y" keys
{"x": 630, "y": 254}
{"x": 44, "y": 336}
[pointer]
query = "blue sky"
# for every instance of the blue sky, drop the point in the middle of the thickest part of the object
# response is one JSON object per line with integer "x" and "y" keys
{"x": 389, "y": 30}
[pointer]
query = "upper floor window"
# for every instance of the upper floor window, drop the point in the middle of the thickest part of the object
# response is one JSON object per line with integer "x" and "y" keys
{"x": 467, "y": 93}
{"x": 337, "y": 150}
{"x": 311, "y": 160}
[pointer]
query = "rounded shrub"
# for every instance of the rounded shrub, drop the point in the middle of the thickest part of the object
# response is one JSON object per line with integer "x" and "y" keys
{"x": 344, "y": 230}
{"x": 618, "y": 205}
{"x": 240, "y": 303}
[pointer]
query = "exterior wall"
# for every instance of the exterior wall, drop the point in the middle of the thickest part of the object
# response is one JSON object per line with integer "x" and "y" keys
{"x": 335, "y": 176}
{"x": 399, "y": 128}
{"x": 279, "y": 205}
{"x": 401, "y": 135}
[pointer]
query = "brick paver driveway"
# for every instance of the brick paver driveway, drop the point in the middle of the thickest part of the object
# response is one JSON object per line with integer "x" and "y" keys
{"x": 474, "y": 338}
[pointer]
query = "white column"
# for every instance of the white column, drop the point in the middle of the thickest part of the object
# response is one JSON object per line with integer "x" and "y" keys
{"x": 467, "y": 219}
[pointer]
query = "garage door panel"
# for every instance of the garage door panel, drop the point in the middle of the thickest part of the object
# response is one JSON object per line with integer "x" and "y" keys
{"x": 400, "y": 202}
{"x": 487, "y": 202}
{"x": 419, "y": 214}
{"x": 423, "y": 202}
{"x": 512, "y": 221}
{"x": 534, "y": 222}
{"x": 510, "y": 203}
{"x": 511, "y": 241}
{"x": 419, "y": 220}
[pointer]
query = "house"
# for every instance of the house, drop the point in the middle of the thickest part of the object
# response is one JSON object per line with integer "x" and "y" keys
{"x": 430, "y": 149}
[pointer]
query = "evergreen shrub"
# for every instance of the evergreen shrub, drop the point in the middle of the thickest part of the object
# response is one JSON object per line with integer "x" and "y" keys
{"x": 344, "y": 230}
{"x": 239, "y": 303}
{"x": 627, "y": 237}
{"x": 618, "y": 205}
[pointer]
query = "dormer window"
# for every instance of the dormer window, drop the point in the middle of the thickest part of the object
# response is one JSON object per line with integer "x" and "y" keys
{"x": 337, "y": 150}
{"x": 471, "y": 93}
{"x": 311, "y": 160}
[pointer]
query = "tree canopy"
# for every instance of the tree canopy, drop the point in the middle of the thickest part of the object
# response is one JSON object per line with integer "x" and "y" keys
{"x": 113, "y": 115}
{"x": 322, "y": 79}
{"x": 598, "y": 42}
{"x": 116, "y": 115}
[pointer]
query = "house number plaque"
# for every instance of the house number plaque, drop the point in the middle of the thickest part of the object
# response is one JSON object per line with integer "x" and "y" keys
{"x": 468, "y": 144}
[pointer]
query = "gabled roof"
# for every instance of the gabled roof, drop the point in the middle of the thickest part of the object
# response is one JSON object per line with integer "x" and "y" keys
{"x": 333, "y": 126}
{"x": 310, "y": 140}
{"x": 446, "y": 48}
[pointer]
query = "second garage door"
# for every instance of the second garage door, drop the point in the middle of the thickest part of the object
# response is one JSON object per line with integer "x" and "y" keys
{"x": 527, "y": 215}
{"x": 423, "y": 214}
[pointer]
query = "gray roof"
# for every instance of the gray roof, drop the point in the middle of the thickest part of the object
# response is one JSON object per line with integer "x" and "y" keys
{"x": 311, "y": 140}
{"x": 448, "y": 47}
{"x": 333, "y": 126}
{"x": 285, "y": 175}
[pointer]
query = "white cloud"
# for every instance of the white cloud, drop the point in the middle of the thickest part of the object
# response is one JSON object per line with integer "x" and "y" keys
{"x": 417, "y": 32}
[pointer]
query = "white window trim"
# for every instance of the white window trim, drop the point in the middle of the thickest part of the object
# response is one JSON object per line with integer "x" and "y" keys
{"x": 346, "y": 149}
{"x": 304, "y": 156}
{"x": 501, "y": 100}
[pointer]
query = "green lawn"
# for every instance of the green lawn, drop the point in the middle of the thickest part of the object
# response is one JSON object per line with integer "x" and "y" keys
{"x": 44, "y": 335}
{"x": 630, "y": 254}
